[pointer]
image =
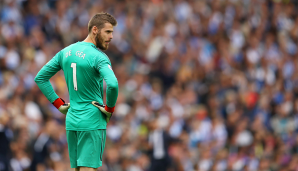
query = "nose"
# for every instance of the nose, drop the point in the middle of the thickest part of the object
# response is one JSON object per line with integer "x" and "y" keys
{"x": 111, "y": 36}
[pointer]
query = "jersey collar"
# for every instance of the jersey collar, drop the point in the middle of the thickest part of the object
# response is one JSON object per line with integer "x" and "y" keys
{"x": 91, "y": 44}
{"x": 87, "y": 43}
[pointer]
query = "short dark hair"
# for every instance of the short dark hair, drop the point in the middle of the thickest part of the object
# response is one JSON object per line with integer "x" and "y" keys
{"x": 100, "y": 19}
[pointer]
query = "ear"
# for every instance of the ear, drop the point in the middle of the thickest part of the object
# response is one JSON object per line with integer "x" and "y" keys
{"x": 94, "y": 30}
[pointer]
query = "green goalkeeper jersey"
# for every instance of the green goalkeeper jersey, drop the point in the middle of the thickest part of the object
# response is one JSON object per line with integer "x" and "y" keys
{"x": 84, "y": 68}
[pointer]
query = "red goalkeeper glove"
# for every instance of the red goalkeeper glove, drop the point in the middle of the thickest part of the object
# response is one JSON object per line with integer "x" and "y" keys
{"x": 108, "y": 111}
{"x": 61, "y": 105}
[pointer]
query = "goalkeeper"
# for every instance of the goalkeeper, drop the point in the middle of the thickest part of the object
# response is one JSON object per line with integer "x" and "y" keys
{"x": 85, "y": 66}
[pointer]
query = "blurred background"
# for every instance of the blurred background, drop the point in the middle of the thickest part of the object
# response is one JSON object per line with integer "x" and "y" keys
{"x": 203, "y": 84}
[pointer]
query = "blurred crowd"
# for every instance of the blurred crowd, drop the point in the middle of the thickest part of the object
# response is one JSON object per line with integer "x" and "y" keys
{"x": 203, "y": 84}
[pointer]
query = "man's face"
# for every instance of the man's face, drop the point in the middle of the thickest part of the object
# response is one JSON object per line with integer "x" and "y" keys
{"x": 104, "y": 36}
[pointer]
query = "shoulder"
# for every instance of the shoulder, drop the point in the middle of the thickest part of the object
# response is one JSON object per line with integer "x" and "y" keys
{"x": 67, "y": 49}
{"x": 80, "y": 47}
{"x": 101, "y": 56}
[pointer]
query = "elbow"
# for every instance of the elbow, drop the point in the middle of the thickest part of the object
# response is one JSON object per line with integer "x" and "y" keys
{"x": 36, "y": 79}
{"x": 113, "y": 86}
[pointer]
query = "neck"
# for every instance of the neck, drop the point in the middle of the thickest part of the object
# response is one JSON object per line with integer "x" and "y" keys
{"x": 90, "y": 40}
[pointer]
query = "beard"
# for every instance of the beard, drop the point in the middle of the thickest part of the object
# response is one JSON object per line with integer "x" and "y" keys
{"x": 100, "y": 43}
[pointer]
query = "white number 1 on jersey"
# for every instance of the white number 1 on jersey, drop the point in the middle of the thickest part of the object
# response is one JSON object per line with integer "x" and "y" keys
{"x": 74, "y": 66}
